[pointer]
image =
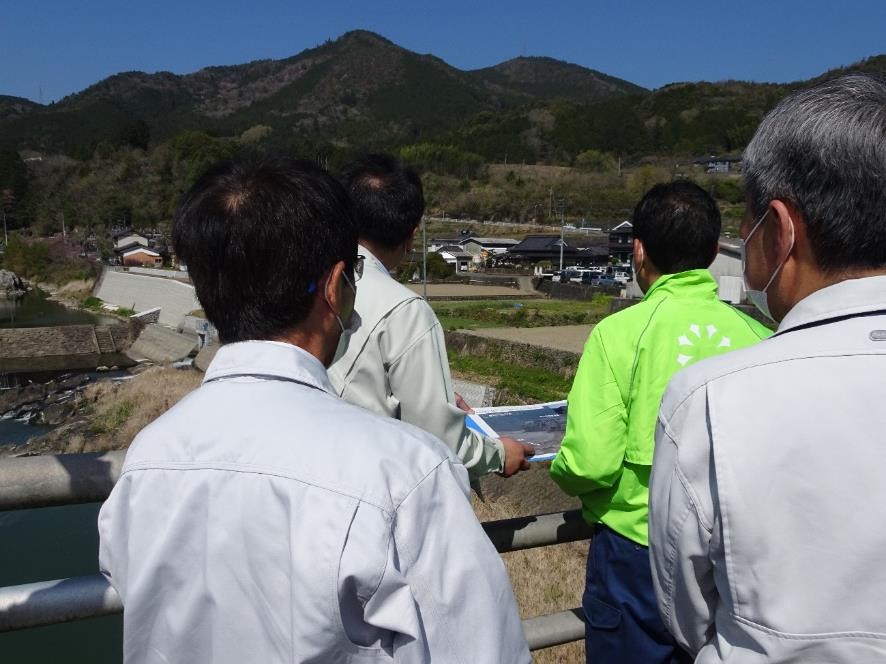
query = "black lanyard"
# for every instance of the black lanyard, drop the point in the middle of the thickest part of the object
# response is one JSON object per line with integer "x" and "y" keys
{"x": 284, "y": 379}
{"x": 828, "y": 321}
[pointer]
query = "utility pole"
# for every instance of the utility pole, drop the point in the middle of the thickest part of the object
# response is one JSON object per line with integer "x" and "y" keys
{"x": 64, "y": 232}
{"x": 424, "y": 256}
{"x": 561, "y": 203}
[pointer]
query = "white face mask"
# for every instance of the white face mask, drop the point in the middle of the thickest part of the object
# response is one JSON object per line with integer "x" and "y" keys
{"x": 758, "y": 297}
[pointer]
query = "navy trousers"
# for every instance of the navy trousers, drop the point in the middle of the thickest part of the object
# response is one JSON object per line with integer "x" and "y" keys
{"x": 622, "y": 621}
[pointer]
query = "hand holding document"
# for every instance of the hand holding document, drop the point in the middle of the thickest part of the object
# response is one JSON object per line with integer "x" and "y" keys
{"x": 541, "y": 425}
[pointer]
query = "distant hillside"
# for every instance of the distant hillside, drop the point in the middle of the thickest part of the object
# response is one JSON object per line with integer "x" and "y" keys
{"x": 15, "y": 107}
{"x": 359, "y": 88}
{"x": 540, "y": 78}
{"x": 363, "y": 92}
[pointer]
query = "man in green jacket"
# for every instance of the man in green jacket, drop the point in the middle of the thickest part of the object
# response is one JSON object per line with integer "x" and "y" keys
{"x": 606, "y": 454}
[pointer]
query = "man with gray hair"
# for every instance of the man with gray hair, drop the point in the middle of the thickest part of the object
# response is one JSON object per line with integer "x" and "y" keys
{"x": 766, "y": 498}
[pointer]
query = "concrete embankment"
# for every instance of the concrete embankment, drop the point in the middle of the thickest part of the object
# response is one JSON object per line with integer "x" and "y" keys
{"x": 65, "y": 348}
{"x": 85, "y": 347}
{"x": 139, "y": 292}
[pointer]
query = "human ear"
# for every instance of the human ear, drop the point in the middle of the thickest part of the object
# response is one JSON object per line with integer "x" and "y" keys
{"x": 334, "y": 288}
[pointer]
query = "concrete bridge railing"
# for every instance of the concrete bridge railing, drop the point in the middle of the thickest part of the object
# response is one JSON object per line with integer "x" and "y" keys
{"x": 66, "y": 479}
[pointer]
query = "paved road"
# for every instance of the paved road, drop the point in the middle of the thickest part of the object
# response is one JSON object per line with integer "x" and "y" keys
{"x": 141, "y": 293}
{"x": 563, "y": 337}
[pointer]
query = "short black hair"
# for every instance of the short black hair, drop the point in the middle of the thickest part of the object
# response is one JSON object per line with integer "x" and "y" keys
{"x": 388, "y": 198}
{"x": 257, "y": 235}
{"x": 679, "y": 225}
{"x": 823, "y": 149}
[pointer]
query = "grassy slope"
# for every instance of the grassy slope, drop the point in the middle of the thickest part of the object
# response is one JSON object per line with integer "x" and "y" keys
{"x": 470, "y": 315}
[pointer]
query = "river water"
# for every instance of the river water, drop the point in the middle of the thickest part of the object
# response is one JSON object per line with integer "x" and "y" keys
{"x": 53, "y": 542}
{"x": 35, "y": 310}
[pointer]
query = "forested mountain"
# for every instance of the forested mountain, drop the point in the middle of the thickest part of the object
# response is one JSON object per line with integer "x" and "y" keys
{"x": 123, "y": 150}
{"x": 360, "y": 88}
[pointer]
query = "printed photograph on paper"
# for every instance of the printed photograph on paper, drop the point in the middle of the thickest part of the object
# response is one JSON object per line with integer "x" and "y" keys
{"x": 541, "y": 425}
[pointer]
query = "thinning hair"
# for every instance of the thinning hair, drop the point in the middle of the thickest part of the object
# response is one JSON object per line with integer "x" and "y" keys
{"x": 679, "y": 224}
{"x": 823, "y": 149}
{"x": 257, "y": 235}
{"x": 388, "y": 198}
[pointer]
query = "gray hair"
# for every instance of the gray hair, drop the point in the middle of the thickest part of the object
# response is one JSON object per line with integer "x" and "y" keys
{"x": 824, "y": 150}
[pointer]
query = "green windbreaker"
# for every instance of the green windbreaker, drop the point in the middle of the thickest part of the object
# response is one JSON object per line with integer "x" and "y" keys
{"x": 606, "y": 455}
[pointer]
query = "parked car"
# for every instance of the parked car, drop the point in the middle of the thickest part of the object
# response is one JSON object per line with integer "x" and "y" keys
{"x": 570, "y": 275}
{"x": 599, "y": 280}
{"x": 621, "y": 276}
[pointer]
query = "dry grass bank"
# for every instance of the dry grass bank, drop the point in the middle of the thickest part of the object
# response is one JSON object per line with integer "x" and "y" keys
{"x": 547, "y": 579}
{"x": 116, "y": 412}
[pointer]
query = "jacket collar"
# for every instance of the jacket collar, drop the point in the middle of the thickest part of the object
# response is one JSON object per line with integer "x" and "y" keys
{"x": 272, "y": 359}
{"x": 691, "y": 283}
{"x": 371, "y": 261}
{"x": 847, "y": 298}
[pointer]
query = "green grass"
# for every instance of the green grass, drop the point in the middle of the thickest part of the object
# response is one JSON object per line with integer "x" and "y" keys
{"x": 514, "y": 384}
{"x": 470, "y": 315}
{"x": 91, "y": 302}
{"x": 113, "y": 418}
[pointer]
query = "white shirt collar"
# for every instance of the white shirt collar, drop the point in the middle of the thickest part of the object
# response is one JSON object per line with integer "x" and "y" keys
{"x": 846, "y": 298}
{"x": 371, "y": 260}
{"x": 274, "y": 359}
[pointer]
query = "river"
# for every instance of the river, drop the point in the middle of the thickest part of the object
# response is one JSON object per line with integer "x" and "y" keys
{"x": 53, "y": 542}
{"x": 36, "y": 310}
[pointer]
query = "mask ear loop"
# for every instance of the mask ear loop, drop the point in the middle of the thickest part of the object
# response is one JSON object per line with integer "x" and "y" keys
{"x": 783, "y": 260}
{"x": 332, "y": 309}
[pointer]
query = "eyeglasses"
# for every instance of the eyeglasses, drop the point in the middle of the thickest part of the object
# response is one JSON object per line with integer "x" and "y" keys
{"x": 358, "y": 273}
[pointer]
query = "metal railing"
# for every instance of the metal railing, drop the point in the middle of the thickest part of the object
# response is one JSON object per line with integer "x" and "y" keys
{"x": 66, "y": 479}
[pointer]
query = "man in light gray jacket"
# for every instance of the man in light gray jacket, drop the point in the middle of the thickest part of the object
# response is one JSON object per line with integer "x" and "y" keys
{"x": 767, "y": 499}
{"x": 394, "y": 360}
{"x": 263, "y": 518}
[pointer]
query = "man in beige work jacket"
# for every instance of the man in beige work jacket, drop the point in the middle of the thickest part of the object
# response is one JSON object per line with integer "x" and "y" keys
{"x": 393, "y": 359}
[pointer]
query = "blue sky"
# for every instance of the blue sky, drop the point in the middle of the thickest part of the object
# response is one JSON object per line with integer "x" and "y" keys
{"x": 51, "y": 48}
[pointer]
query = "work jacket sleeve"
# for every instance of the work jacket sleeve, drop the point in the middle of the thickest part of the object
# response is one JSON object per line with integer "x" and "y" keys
{"x": 419, "y": 379}
{"x": 591, "y": 455}
{"x": 445, "y": 593}
{"x": 682, "y": 530}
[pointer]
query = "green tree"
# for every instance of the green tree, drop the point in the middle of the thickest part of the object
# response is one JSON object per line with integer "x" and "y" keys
{"x": 443, "y": 159}
{"x": 595, "y": 161}
{"x": 438, "y": 268}
{"x": 13, "y": 186}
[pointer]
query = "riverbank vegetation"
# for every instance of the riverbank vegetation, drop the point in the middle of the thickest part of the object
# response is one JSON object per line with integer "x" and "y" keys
{"x": 470, "y": 315}
{"x": 513, "y": 383}
{"x": 47, "y": 261}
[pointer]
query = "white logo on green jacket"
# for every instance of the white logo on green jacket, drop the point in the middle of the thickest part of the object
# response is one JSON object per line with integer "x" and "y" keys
{"x": 689, "y": 344}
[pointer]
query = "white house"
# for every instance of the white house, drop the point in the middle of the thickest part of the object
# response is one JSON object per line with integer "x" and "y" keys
{"x": 454, "y": 255}
{"x": 482, "y": 248}
{"x": 130, "y": 239}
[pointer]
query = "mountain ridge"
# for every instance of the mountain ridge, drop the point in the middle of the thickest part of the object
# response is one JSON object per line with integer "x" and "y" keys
{"x": 362, "y": 91}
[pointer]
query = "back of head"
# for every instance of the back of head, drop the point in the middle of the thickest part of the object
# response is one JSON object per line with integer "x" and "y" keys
{"x": 388, "y": 199}
{"x": 823, "y": 149}
{"x": 257, "y": 235}
{"x": 679, "y": 225}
